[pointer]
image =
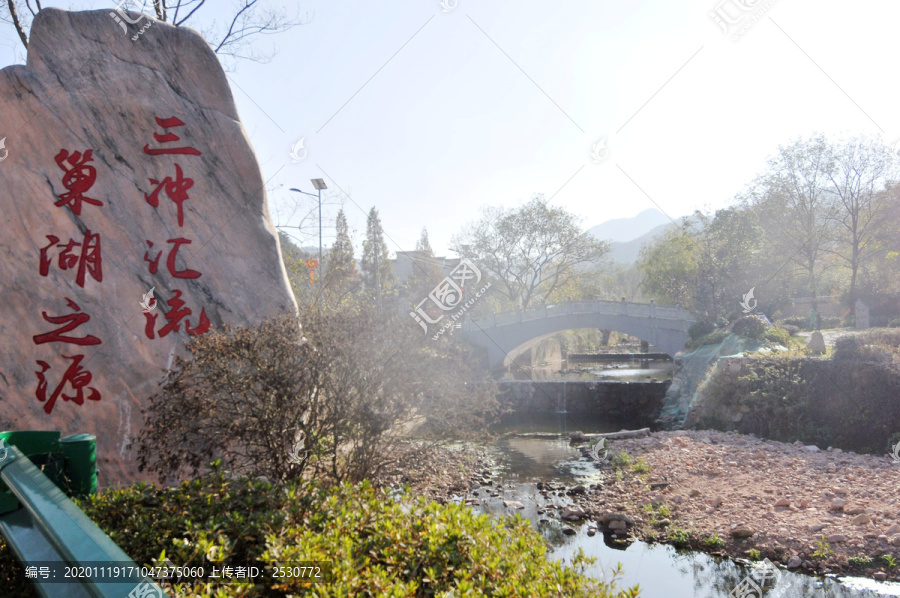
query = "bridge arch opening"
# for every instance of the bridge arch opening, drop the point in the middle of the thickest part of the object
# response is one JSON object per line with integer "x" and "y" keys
{"x": 586, "y": 354}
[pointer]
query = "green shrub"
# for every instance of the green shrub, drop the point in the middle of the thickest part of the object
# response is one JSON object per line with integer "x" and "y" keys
{"x": 621, "y": 460}
{"x": 863, "y": 562}
{"x": 698, "y": 329}
{"x": 823, "y": 549}
{"x": 894, "y": 323}
{"x": 377, "y": 546}
{"x": 832, "y": 322}
{"x": 754, "y": 555}
{"x": 713, "y": 542}
{"x": 846, "y": 348}
{"x": 867, "y": 346}
{"x": 679, "y": 538}
{"x": 750, "y": 327}
{"x": 801, "y": 322}
{"x": 640, "y": 466}
{"x": 792, "y": 330}
{"x": 778, "y": 336}
{"x": 889, "y": 561}
{"x": 713, "y": 338}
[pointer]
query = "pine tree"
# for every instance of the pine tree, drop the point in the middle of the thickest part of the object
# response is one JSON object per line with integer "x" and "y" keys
{"x": 425, "y": 273}
{"x": 377, "y": 273}
{"x": 341, "y": 263}
{"x": 423, "y": 244}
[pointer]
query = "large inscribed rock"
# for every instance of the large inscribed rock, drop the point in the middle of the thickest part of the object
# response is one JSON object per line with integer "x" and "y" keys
{"x": 127, "y": 170}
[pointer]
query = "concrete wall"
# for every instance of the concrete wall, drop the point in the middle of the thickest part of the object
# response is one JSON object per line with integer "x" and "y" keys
{"x": 633, "y": 404}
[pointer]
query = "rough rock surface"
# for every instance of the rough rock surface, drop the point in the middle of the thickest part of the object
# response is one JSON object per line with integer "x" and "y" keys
{"x": 777, "y": 498}
{"x": 88, "y": 85}
{"x": 816, "y": 342}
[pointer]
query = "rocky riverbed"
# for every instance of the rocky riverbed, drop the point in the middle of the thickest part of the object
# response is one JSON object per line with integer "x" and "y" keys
{"x": 820, "y": 511}
{"x": 437, "y": 472}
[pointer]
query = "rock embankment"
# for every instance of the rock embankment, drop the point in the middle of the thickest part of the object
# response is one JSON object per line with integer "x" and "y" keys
{"x": 819, "y": 510}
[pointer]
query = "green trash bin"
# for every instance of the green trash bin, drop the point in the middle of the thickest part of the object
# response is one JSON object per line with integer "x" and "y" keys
{"x": 80, "y": 452}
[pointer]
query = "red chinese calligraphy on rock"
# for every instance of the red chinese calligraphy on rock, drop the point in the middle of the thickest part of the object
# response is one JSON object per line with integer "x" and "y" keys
{"x": 89, "y": 260}
{"x": 75, "y": 375}
{"x": 167, "y": 137}
{"x": 71, "y": 322}
{"x": 176, "y": 190}
{"x": 170, "y": 261}
{"x": 174, "y": 316}
{"x": 78, "y": 180}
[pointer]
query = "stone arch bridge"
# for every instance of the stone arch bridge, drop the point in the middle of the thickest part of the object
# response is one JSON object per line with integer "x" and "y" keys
{"x": 501, "y": 334}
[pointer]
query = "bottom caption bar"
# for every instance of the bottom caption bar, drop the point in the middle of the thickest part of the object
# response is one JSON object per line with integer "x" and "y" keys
{"x": 105, "y": 572}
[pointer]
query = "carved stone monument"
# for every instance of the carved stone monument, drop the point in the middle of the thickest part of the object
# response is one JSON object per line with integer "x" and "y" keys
{"x": 134, "y": 217}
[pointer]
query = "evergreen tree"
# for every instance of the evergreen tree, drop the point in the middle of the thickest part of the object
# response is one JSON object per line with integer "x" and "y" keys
{"x": 341, "y": 263}
{"x": 377, "y": 273}
{"x": 423, "y": 244}
{"x": 425, "y": 273}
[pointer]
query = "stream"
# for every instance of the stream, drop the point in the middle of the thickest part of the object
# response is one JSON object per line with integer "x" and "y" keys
{"x": 660, "y": 570}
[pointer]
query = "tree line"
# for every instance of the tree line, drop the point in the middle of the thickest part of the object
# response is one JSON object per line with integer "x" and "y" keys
{"x": 821, "y": 220}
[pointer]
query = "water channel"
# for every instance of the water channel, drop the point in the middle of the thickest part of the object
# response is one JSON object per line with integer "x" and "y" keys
{"x": 660, "y": 570}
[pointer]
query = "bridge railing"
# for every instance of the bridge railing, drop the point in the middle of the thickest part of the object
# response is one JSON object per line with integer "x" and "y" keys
{"x": 645, "y": 310}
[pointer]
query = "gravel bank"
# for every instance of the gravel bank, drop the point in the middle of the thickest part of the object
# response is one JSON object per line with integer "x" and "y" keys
{"x": 776, "y": 498}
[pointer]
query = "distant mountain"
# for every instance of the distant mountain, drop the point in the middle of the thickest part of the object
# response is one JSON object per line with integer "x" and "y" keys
{"x": 628, "y": 235}
{"x": 628, "y": 229}
{"x": 627, "y": 252}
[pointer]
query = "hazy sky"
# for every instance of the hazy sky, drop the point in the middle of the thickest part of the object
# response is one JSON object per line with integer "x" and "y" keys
{"x": 429, "y": 115}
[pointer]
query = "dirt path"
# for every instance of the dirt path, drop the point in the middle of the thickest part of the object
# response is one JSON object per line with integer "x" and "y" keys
{"x": 782, "y": 498}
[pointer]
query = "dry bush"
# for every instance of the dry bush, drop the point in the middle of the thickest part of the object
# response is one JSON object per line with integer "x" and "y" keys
{"x": 359, "y": 382}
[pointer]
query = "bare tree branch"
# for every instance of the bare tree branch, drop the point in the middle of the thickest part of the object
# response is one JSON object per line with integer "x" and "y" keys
{"x": 248, "y": 4}
{"x": 190, "y": 14}
{"x": 15, "y": 17}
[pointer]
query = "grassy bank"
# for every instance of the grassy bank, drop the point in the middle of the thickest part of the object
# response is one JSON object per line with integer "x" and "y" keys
{"x": 377, "y": 545}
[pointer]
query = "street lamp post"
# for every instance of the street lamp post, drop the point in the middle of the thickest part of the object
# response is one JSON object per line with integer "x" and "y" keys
{"x": 318, "y": 184}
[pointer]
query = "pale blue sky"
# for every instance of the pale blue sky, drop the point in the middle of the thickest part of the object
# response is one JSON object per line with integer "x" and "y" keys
{"x": 451, "y": 123}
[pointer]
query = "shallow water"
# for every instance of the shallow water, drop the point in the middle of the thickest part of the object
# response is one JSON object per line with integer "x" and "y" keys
{"x": 660, "y": 570}
{"x": 634, "y": 370}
